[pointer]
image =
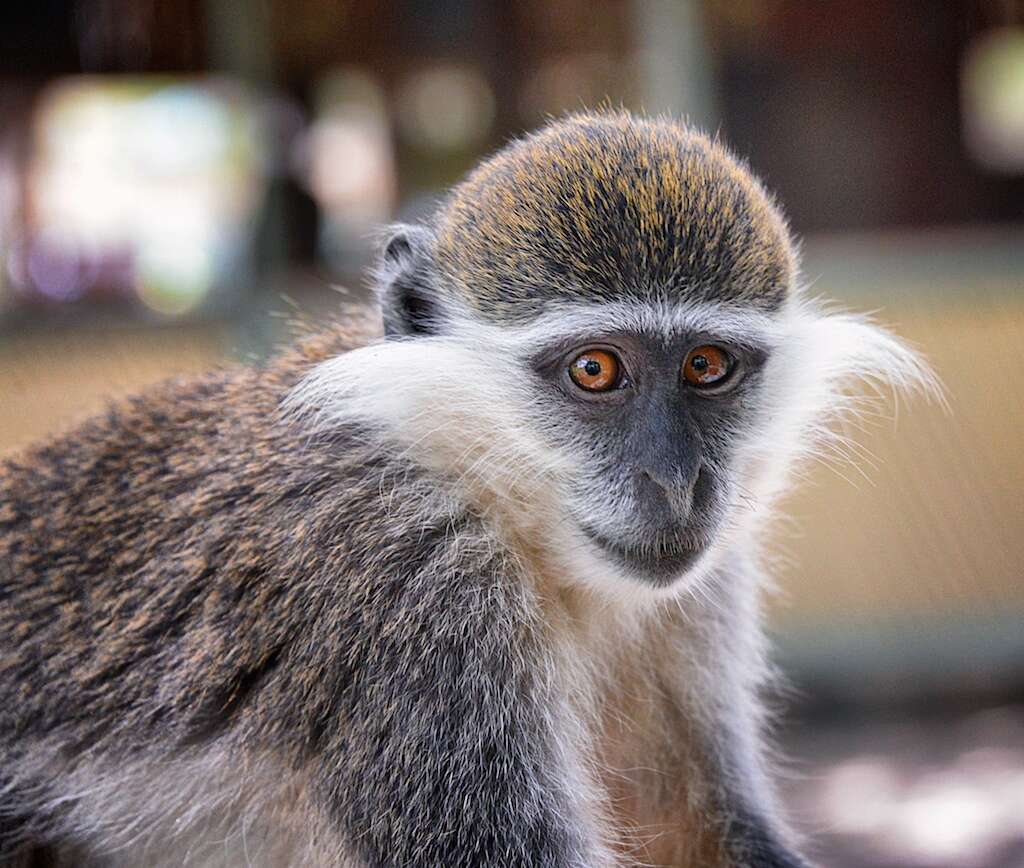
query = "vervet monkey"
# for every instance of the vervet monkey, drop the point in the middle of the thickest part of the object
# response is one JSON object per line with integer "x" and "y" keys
{"x": 481, "y": 592}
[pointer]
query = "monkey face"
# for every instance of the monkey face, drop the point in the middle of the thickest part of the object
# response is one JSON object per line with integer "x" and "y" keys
{"x": 649, "y": 420}
{"x": 622, "y": 259}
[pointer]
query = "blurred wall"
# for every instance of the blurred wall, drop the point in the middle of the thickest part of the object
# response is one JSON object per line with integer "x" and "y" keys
{"x": 50, "y": 382}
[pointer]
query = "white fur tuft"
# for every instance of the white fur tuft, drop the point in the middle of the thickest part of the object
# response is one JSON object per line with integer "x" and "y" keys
{"x": 831, "y": 371}
{"x": 449, "y": 405}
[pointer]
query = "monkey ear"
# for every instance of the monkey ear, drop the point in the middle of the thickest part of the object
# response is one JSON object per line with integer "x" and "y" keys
{"x": 407, "y": 298}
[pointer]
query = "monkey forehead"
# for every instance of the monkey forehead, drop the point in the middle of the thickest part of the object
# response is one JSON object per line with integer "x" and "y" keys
{"x": 604, "y": 207}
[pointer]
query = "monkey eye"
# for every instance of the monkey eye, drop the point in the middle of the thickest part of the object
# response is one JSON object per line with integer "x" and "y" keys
{"x": 596, "y": 370}
{"x": 706, "y": 366}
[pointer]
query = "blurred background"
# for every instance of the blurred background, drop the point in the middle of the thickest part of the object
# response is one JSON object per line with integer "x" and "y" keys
{"x": 180, "y": 179}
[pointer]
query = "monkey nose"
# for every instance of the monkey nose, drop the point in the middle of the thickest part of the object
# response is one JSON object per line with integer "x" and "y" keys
{"x": 674, "y": 491}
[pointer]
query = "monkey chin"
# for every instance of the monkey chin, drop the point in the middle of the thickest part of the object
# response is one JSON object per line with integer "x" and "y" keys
{"x": 663, "y": 572}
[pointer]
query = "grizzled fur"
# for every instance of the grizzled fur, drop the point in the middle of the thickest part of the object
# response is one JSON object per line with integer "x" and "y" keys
{"x": 190, "y": 571}
{"x": 339, "y": 611}
{"x": 645, "y": 209}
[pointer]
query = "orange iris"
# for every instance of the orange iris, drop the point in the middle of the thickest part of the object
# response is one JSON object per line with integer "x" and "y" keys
{"x": 595, "y": 370}
{"x": 705, "y": 366}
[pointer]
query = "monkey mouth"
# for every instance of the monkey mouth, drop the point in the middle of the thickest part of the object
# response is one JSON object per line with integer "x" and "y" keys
{"x": 660, "y": 565}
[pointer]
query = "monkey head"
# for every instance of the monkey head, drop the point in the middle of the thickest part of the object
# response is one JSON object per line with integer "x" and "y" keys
{"x": 600, "y": 333}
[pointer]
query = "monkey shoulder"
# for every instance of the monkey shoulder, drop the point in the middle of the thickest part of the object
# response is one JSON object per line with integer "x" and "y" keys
{"x": 191, "y": 560}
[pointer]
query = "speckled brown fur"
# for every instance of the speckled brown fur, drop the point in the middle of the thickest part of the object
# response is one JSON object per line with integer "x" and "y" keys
{"x": 143, "y": 595}
{"x": 645, "y": 208}
{"x": 188, "y": 570}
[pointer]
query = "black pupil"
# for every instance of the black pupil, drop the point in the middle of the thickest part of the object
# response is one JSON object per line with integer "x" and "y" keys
{"x": 592, "y": 367}
{"x": 699, "y": 363}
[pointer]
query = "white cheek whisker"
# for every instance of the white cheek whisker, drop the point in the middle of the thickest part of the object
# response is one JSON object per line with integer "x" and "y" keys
{"x": 477, "y": 435}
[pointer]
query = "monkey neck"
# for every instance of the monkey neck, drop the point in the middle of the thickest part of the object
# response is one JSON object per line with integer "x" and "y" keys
{"x": 650, "y": 689}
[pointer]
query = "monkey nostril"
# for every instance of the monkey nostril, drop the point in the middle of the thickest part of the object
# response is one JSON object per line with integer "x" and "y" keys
{"x": 654, "y": 479}
{"x": 693, "y": 485}
{"x": 677, "y": 492}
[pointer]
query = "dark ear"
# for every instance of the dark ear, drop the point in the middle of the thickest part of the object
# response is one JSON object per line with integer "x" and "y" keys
{"x": 407, "y": 298}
